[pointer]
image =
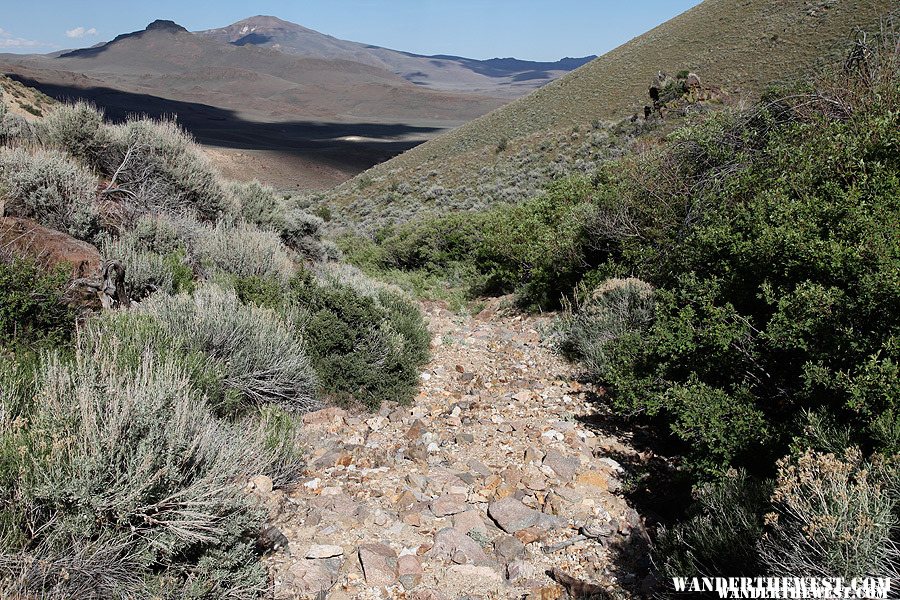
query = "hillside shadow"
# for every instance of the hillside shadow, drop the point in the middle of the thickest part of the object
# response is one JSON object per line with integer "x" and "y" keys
{"x": 220, "y": 127}
{"x": 652, "y": 485}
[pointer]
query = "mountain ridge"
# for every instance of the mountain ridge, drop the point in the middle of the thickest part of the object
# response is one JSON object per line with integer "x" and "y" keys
{"x": 506, "y": 77}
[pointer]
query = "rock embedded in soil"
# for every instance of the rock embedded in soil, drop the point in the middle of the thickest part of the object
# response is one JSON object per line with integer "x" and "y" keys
{"x": 379, "y": 564}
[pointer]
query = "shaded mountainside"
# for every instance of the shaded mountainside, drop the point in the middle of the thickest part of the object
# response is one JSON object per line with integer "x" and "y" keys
{"x": 736, "y": 46}
{"x": 506, "y": 77}
{"x": 168, "y": 61}
{"x": 307, "y": 123}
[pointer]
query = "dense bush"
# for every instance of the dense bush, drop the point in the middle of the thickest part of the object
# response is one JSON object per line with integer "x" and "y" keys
{"x": 50, "y": 188}
{"x": 241, "y": 250}
{"x": 834, "y": 516}
{"x": 720, "y": 532}
{"x": 262, "y": 206}
{"x": 366, "y": 343}
{"x": 237, "y": 354}
{"x": 770, "y": 239}
{"x": 123, "y": 485}
{"x": 31, "y": 304}
{"x": 162, "y": 170}
{"x": 534, "y": 248}
{"x": 78, "y": 129}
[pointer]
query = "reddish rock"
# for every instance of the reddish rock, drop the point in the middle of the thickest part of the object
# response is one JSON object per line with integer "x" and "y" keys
{"x": 379, "y": 564}
{"x": 409, "y": 571}
{"x": 450, "y": 543}
{"x": 49, "y": 248}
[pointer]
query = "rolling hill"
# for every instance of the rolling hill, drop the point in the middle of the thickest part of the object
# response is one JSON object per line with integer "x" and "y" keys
{"x": 735, "y": 46}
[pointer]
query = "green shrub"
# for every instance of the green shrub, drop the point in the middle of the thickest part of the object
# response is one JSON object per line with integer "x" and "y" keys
{"x": 50, "y": 188}
{"x": 365, "y": 342}
{"x": 138, "y": 495}
{"x": 262, "y": 206}
{"x": 241, "y": 250}
{"x": 615, "y": 309}
{"x": 31, "y": 304}
{"x": 534, "y": 248}
{"x": 767, "y": 236}
{"x": 834, "y": 517}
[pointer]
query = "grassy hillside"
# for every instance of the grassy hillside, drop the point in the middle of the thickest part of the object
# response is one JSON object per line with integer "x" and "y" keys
{"x": 736, "y": 46}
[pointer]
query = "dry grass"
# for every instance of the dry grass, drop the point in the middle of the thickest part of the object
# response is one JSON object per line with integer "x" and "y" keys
{"x": 738, "y": 47}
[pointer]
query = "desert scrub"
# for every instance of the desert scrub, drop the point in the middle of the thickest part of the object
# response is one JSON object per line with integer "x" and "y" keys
{"x": 78, "y": 129}
{"x": 535, "y": 248}
{"x": 262, "y": 206}
{"x": 139, "y": 493}
{"x": 50, "y": 188}
{"x": 240, "y": 249}
{"x": 239, "y": 355}
{"x": 588, "y": 330}
{"x": 720, "y": 531}
{"x": 163, "y": 170}
{"x": 834, "y": 516}
{"x": 366, "y": 342}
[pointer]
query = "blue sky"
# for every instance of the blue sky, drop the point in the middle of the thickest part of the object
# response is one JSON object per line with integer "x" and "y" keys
{"x": 527, "y": 29}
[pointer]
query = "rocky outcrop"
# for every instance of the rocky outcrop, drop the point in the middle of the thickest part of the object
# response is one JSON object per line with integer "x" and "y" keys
{"x": 487, "y": 486}
{"x": 26, "y": 239}
{"x": 94, "y": 283}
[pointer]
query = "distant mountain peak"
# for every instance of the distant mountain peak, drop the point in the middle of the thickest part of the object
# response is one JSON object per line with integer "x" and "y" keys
{"x": 165, "y": 25}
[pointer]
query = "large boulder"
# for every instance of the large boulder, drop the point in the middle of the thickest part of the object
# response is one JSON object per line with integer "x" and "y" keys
{"x": 49, "y": 248}
{"x": 94, "y": 283}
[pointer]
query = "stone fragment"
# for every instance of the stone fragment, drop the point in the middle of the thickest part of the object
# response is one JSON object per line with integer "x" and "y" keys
{"x": 508, "y": 548}
{"x": 379, "y": 564}
{"x": 320, "y": 551}
{"x": 49, "y": 248}
{"x": 564, "y": 466}
{"x": 450, "y": 543}
{"x": 512, "y": 516}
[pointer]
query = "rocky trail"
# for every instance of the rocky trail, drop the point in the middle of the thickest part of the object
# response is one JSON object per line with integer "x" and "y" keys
{"x": 486, "y": 486}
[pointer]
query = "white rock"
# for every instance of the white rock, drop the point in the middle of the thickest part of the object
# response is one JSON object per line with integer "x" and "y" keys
{"x": 376, "y": 423}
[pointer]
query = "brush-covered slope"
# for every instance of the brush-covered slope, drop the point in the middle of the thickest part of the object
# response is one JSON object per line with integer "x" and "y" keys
{"x": 738, "y": 46}
{"x": 504, "y": 77}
